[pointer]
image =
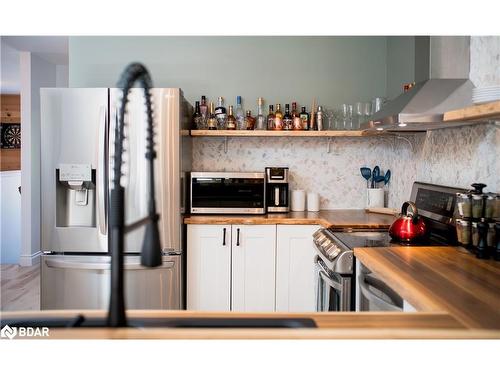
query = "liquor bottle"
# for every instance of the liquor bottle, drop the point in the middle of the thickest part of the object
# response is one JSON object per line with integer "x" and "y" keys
{"x": 249, "y": 121}
{"x": 231, "y": 120}
{"x": 212, "y": 120}
{"x": 197, "y": 121}
{"x": 278, "y": 118}
{"x": 204, "y": 109}
{"x": 239, "y": 114}
{"x": 319, "y": 118}
{"x": 220, "y": 113}
{"x": 297, "y": 124}
{"x": 304, "y": 119}
{"x": 287, "y": 119}
{"x": 260, "y": 122}
{"x": 270, "y": 118}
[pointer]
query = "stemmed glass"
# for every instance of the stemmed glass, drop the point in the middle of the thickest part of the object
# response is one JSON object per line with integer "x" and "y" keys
{"x": 330, "y": 114}
{"x": 359, "y": 114}
{"x": 367, "y": 111}
{"x": 344, "y": 116}
{"x": 349, "y": 117}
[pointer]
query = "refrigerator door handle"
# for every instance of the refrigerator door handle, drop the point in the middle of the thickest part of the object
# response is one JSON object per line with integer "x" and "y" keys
{"x": 99, "y": 266}
{"x": 102, "y": 169}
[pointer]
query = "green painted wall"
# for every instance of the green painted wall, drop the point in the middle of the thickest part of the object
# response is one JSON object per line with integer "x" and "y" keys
{"x": 400, "y": 63}
{"x": 335, "y": 70}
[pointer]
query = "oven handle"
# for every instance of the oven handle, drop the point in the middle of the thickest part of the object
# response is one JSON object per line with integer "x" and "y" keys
{"x": 323, "y": 273}
{"x": 365, "y": 291}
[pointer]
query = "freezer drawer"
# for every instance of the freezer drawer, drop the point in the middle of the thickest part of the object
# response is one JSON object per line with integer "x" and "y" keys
{"x": 83, "y": 282}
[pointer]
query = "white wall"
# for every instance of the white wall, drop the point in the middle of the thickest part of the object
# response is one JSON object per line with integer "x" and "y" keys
{"x": 9, "y": 69}
{"x": 35, "y": 73}
{"x": 62, "y": 75}
{"x": 10, "y": 217}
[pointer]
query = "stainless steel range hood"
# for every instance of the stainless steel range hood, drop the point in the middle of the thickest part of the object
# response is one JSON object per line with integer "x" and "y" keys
{"x": 442, "y": 66}
{"x": 422, "y": 107}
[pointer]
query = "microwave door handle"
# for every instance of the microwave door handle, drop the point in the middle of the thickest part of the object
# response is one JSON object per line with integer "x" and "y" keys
{"x": 370, "y": 296}
{"x": 276, "y": 196}
{"x": 102, "y": 169}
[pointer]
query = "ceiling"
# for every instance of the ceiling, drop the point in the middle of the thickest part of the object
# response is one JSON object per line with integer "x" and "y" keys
{"x": 53, "y": 49}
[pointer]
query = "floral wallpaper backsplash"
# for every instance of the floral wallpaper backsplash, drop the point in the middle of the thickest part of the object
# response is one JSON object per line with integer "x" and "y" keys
{"x": 335, "y": 176}
{"x": 453, "y": 157}
{"x": 485, "y": 60}
{"x": 461, "y": 156}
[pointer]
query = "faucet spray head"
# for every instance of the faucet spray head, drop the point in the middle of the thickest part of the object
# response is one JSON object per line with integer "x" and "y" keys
{"x": 151, "y": 248}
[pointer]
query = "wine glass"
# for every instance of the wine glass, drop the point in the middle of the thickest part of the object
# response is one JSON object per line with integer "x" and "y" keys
{"x": 367, "y": 111}
{"x": 350, "y": 112}
{"x": 330, "y": 113}
{"x": 344, "y": 115}
{"x": 359, "y": 111}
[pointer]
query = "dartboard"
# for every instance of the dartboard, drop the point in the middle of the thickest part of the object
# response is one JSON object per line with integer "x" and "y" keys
{"x": 11, "y": 136}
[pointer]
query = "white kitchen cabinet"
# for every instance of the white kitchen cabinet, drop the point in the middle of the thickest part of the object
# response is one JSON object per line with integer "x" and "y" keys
{"x": 295, "y": 276}
{"x": 253, "y": 267}
{"x": 209, "y": 267}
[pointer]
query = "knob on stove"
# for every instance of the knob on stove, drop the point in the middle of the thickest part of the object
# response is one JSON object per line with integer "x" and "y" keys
{"x": 332, "y": 251}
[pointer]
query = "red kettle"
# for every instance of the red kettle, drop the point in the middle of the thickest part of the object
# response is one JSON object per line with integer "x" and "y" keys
{"x": 409, "y": 226}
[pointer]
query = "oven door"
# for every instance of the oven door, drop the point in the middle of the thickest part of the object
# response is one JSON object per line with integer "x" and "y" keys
{"x": 333, "y": 291}
{"x": 374, "y": 294}
{"x": 230, "y": 193}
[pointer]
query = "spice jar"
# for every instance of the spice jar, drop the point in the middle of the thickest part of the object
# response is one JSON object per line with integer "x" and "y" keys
{"x": 463, "y": 231}
{"x": 482, "y": 245}
{"x": 489, "y": 205}
{"x": 496, "y": 207}
{"x": 491, "y": 238}
{"x": 477, "y": 206}
{"x": 464, "y": 204}
{"x": 475, "y": 234}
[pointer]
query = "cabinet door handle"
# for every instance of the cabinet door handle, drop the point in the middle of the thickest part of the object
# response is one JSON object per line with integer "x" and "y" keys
{"x": 238, "y": 237}
{"x": 224, "y": 237}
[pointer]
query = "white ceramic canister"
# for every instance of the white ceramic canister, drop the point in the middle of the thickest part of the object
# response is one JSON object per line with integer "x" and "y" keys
{"x": 312, "y": 202}
{"x": 298, "y": 200}
{"x": 375, "y": 197}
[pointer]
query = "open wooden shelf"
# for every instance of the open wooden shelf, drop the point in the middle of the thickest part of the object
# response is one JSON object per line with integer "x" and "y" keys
{"x": 475, "y": 113}
{"x": 271, "y": 133}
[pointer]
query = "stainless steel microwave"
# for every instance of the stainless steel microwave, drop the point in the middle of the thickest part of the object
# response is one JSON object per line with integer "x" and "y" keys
{"x": 228, "y": 193}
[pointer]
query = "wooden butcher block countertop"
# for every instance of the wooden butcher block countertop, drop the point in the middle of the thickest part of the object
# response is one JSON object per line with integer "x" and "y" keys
{"x": 440, "y": 279}
{"x": 337, "y": 325}
{"x": 327, "y": 218}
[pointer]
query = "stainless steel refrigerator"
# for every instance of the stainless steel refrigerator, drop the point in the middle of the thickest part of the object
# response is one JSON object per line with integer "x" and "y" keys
{"x": 77, "y": 127}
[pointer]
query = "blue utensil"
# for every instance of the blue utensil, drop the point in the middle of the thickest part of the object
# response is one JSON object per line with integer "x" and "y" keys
{"x": 375, "y": 174}
{"x": 387, "y": 177}
{"x": 366, "y": 173}
{"x": 379, "y": 179}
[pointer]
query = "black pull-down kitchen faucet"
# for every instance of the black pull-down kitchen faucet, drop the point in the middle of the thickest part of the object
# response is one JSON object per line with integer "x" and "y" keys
{"x": 151, "y": 253}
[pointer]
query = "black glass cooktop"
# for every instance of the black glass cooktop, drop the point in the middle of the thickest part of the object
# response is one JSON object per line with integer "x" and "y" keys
{"x": 379, "y": 239}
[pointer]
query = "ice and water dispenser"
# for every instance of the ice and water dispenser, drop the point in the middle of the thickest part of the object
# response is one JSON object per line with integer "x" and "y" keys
{"x": 75, "y": 195}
